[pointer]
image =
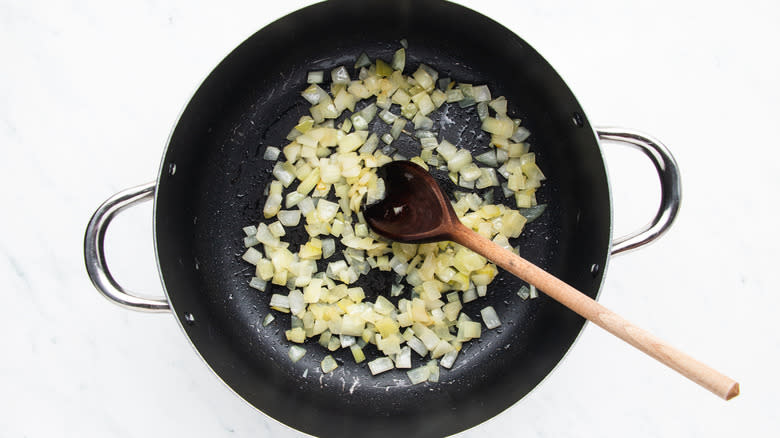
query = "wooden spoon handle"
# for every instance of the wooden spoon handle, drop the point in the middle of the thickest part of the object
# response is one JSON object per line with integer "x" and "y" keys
{"x": 721, "y": 385}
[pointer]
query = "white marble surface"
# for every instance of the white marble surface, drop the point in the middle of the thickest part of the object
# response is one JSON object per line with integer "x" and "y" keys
{"x": 89, "y": 91}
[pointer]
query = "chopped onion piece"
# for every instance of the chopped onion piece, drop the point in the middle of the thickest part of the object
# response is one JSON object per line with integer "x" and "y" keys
{"x": 346, "y": 340}
{"x": 396, "y": 290}
{"x": 276, "y": 229}
{"x": 315, "y": 77}
{"x": 387, "y": 117}
{"x": 455, "y": 95}
{"x": 417, "y": 345}
{"x": 269, "y": 318}
{"x": 449, "y": 359}
{"x": 434, "y": 368}
{"x": 524, "y": 292}
{"x": 502, "y": 155}
{"x": 399, "y": 60}
{"x": 362, "y": 61}
{"x": 499, "y": 105}
{"x": 466, "y": 102}
{"x": 292, "y": 199}
{"x": 271, "y": 153}
{"x": 398, "y": 125}
{"x": 252, "y": 256}
{"x": 488, "y": 178}
{"x": 370, "y": 145}
{"x": 470, "y": 172}
{"x": 296, "y": 353}
{"x": 380, "y": 365}
{"x": 295, "y": 301}
{"x": 520, "y": 134}
{"x": 500, "y": 127}
{"x": 357, "y": 353}
{"x": 328, "y": 248}
{"x": 469, "y": 330}
{"x": 419, "y": 375}
{"x": 314, "y": 94}
{"x": 284, "y": 173}
{"x": 533, "y": 293}
{"x": 339, "y": 75}
{"x": 488, "y": 158}
{"x": 404, "y": 358}
{"x": 289, "y": 218}
{"x": 482, "y": 110}
{"x": 258, "y": 283}
{"x": 250, "y": 241}
{"x": 328, "y": 364}
{"x": 446, "y": 149}
{"x": 281, "y": 301}
{"x": 533, "y": 213}
{"x": 490, "y": 317}
{"x": 458, "y": 161}
{"x": 480, "y": 93}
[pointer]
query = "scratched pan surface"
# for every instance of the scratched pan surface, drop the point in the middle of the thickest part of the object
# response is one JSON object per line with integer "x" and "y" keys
{"x": 252, "y": 99}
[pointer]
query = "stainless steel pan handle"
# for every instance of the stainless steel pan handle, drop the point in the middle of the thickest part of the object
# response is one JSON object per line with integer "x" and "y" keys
{"x": 668, "y": 174}
{"x": 95, "y": 257}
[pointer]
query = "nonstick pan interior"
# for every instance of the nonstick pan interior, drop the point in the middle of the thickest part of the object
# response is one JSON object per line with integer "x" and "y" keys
{"x": 213, "y": 177}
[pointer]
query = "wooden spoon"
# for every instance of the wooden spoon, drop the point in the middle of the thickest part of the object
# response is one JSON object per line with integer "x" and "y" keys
{"x": 415, "y": 210}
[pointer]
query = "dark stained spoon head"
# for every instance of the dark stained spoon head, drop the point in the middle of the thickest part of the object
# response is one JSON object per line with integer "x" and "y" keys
{"x": 414, "y": 209}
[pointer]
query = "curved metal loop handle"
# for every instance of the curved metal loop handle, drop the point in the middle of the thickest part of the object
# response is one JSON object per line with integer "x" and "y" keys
{"x": 671, "y": 191}
{"x": 95, "y": 257}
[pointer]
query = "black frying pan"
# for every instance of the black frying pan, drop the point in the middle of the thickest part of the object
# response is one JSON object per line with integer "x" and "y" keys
{"x": 211, "y": 184}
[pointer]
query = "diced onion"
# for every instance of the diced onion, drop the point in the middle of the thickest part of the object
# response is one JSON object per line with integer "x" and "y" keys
{"x": 328, "y": 170}
{"x": 328, "y": 248}
{"x": 480, "y": 93}
{"x": 398, "y": 126}
{"x": 417, "y": 345}
{"x": 295, "y": 300}
{"x": 434, "y": 371}
{"x": 357, "y": 353}
{"x": 380, "y": 365}
{"x": 533, "y": 213}
{"x": 490, "y": 317}
{"x": 488, "y": 158}
{"x": 388, "y": 117}
{"x": 289, "y": 218}
{"x": 258, "y": 283}
{"x": 404, "y": 358}
{"x": 362, "y": 61}
{"x": 271, "y": 153}
{"x": 281, "y": 301}
{"x": 252, "y": 256}
{"x": 520, "y": 134}
{"x": 419, "y": 375}
{"x": 399, "y": 60}
{"x": 449, "y": 359}
{"x": 315, "y": 77}
{"x": 482, "y": 110}
{"x": 524, "y": 292}
{"x": 339, "y": 75}
{"x": 296, "y": 353}
{"x": 328, "y": 364}
{"x": 250, "y": 241}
